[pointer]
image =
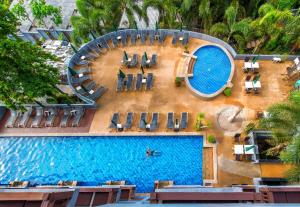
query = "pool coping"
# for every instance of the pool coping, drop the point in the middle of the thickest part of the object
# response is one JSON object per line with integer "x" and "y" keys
{"x": 228, "y": 84}
{"x": 205, "y": 143}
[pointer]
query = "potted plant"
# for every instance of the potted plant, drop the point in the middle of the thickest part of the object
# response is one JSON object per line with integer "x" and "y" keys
{"x": 227, "y": 92}
{"x": 178, "y": 82}
{"x": 211, "y": 139}
{"x": 201, "y": 122}
{"x": 186, "y": 49}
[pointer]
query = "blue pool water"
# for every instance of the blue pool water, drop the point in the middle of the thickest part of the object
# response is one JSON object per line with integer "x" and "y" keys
{"x": 211, "y": 70}
{"x": 94, "y": 160}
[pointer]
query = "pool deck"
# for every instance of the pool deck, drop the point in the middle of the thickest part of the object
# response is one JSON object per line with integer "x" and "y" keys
{"x": 166, "y": 97}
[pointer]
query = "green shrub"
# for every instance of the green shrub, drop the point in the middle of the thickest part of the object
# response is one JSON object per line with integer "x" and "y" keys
{"x": 211, "y": 139}
{"x": 178, "y": 81}
{"x": 251, "y": 126}
{"x": 227, "y": 92}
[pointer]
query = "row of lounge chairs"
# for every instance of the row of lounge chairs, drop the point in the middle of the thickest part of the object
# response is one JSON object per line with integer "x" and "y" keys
{"x": 149, "y": 63}
{"x": 184, "y": 38}
{"x": 149, "y": 126}
{"x": 133, "y": 62}
{"x": 127, "y": 83}
{"x": 21, "y": 119}
{"x": 84, "y": 85}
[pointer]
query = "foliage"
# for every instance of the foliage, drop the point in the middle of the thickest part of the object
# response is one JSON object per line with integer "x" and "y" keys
{"x": 41, "y": 10}
{"x": 26, "y": 76}
{"x": 19, "y": 11}
{"x": 283, "y": 120}
{"x": 251, "y": 126}
{"x": 178, "y": 81}
{"x": 211, "y": 139}
{"x": 96, "y": 16}
{"x": 201, "y": 122}
{"x": 8, "y": 22}
{"x": 227, "y": 91}
{"x": 291, "y": 155}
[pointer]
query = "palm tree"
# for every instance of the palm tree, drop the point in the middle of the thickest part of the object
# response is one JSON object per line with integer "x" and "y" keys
{"x": 96, "y": 16}
{"x": 92, "y": 16}
{"x": 205, "y": 14}
{"x": 232, "y": 30}
{"x": 291, "y": 155}
{"x": 168, "y": 12}
{"x": 283, "y": 120}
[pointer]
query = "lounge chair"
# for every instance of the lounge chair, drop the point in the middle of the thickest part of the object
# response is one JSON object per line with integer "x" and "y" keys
{"x": 162, "y": 37}
{"x": 170, "y": 122}
{"x": 98, "y": 93}
{"x": 185, "y": 38}
{"x": 153, "y": 60}
{"x": 89, "y": 56}
{"x": 50, "y": 116}
{"x": 66, "y": 117}
{"x": 81, "y": 79}
{"x": 134, "y": 61}
{"x": 18, "y": 184}
{"x": 103, "y": 43}
{"x": 81, "y": 90}
{"x": 38, "y": 117}
{"x": 83, "y": 71}
{"x": 175, "y": 38}
{"x": 114, "y": 121}
{"x": 143, "y": 37}
{"x": 83, "y": 62}
{"x": 139, "y": 79}
{"x": 120, "y": 82}
{"x": 133, "y": 35}
{"x": 154, "y": 121}
{"x": 129, "y": 82}
{"x": 114, "y": 40}
{"x": 79, "y": 112}
{"x": 149, "y": 82}
{"x": 184, "y": 120}
{"x": 143, "y": 120}
{"x": 89, "y": 86}
{"x": 152, "y": 36}
{"x": 124, "y": 38}
{"x": 12, "y": 119}
{"x": 25, "y": 117}
{"x": 129, "y": 120}
{"x": 67, "y": 183}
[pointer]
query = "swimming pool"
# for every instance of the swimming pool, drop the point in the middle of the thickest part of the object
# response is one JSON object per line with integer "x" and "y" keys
{"x": 213, "y": 70}
{"x": 94, "y": 160}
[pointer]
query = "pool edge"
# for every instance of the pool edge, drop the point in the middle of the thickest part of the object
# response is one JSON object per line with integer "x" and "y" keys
{"x": 208, "y": 96}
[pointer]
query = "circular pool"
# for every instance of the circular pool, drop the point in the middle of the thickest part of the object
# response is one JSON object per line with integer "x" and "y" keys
{"x": 212, "y": 72}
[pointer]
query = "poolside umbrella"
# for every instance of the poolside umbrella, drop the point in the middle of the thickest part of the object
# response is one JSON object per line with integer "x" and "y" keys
{"x": 122, "y": 74}
{"x": 256, "y": 78}
{"x": 297, "y": 84}
{"x": 125, "y": 54}
{"x": 156, "y": 26}
{"x": 135, "y": 25}
{"x": 144, "y": 121}
{"x": 72, "y": 71}
{"x": 142, "y": 68}
{"x": 255, "y": 59}
{"x": 74, "y": 48}
{"x": 145, "y": 54}
{"x": 249, "y": 148}
{"x": 247, "y": 58}
{"x": 92, "y": 34}
{"x": 181, "y": 26}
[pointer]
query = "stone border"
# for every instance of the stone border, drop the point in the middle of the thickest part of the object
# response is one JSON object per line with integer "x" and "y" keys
{"x": 202, "y": 95}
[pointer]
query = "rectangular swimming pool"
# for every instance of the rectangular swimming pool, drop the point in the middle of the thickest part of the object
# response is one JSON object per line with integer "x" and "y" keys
{"x": 94, "y": 160}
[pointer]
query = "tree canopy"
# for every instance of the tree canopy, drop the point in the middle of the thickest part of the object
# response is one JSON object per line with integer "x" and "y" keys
{"x": 25, "y": 73}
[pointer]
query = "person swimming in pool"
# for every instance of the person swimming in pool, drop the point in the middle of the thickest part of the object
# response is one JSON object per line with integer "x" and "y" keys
{"x": 149, "y": 152}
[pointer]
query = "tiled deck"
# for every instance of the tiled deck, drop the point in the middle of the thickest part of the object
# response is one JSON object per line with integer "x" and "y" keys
{"x": 165, "y": 97}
